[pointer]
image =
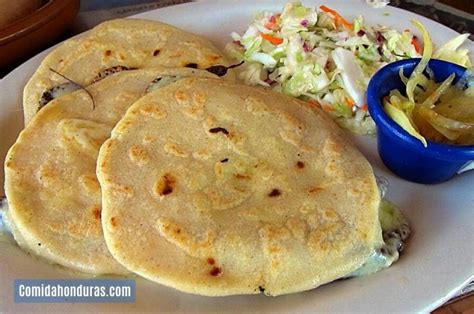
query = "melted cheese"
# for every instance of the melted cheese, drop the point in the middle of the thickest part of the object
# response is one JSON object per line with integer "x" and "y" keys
{"x": 5, "y": 230}
{"x": 395, "y": 231}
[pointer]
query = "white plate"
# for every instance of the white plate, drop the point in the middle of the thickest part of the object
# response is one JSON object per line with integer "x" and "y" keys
{"x": 439, "y": 258}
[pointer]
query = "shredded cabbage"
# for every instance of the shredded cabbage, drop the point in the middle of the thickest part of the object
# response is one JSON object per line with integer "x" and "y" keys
{"x": 450, "y": 51}
{"x": 420, "y": 114}
{"x": 427, "y": 50}
{"x": 403, "y": 120}
{"x": 318, "y": 55}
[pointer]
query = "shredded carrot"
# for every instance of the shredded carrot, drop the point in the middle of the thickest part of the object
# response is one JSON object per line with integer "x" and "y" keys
{"x": 338, "y": 19}
{"x": 314, "y": 102}
{"x": 365, "y": 107}
{"x": 417, "y": 45}
{"x": 349, "y": 102}
{"x": 327, "y": 108}
{"x": 274, "y": 40}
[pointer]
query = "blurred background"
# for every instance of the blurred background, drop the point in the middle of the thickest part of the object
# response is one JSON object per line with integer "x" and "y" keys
{"x": 27, "y": 27}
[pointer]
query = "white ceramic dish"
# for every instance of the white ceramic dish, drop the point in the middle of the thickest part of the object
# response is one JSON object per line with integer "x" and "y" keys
{"x": 438, "y": 260}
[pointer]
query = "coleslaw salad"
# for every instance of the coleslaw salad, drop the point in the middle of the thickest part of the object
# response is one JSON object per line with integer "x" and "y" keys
{"x": 319, "y": 56}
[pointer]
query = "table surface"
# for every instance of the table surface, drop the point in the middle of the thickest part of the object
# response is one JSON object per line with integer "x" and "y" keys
{"x": 456, "y": 14}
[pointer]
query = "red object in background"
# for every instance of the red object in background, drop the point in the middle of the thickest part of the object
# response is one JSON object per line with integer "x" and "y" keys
{"x": 33, "y": 32}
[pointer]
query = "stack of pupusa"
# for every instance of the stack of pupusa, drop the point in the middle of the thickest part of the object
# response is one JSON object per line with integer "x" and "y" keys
{"x": 53, "y": 193}
{"x": 206, "y": 186}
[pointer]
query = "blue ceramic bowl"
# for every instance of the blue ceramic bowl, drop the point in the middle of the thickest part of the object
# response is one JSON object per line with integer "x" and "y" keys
{"x": 402, "y": 153}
